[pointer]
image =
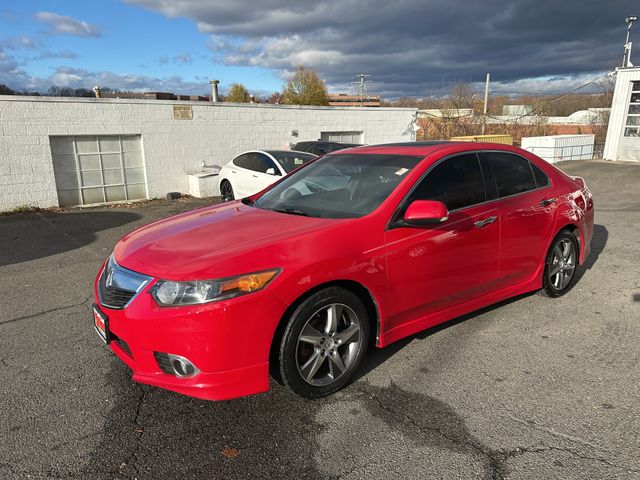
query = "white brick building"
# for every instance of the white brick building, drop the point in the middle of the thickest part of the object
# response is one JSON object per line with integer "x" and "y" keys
{"x": 53, "y": 148}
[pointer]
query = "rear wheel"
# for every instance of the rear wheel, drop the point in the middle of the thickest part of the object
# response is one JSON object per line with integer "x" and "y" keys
{"x": 560, "y": 265}
{"x": 324, "y": 343}
{"x": 226, "y": 191}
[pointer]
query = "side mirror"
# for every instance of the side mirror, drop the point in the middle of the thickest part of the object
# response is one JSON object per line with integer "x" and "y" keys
{"x": 271, "y": 171}
{"x": 425, "y": 212}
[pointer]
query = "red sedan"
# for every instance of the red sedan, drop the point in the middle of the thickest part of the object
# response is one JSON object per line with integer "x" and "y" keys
{"x": 366, "y": 245}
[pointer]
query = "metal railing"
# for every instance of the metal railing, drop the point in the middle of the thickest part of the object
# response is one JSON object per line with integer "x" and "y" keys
{"x": 568, "y": 152}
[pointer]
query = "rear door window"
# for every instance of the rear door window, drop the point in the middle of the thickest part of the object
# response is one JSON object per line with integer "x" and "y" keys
{"x": 247, "y": 160}
{"x": 512, "y": 173}
{"x": 457, "y": 182}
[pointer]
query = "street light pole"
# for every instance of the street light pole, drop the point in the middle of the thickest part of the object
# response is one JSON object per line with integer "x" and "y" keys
{"x": 626, "y": 60}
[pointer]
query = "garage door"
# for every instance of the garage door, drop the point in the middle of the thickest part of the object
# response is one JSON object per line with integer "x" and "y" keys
{"x": 98, "y": 169}
{"x": 344, "y": 137}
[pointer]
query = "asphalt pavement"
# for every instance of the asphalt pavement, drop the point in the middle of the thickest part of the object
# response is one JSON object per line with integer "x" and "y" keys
{"x": 533, "y": 388}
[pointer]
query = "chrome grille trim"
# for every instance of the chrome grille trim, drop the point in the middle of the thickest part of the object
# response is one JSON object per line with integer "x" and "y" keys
{"x": 118, "y": 286}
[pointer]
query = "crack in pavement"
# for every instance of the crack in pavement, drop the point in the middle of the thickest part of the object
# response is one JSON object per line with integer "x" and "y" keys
{"x": 132, "y": 460}
{"x": 518, "y": 451}
{"x": 39, "y": 314}
{"x": 553, "y": 432}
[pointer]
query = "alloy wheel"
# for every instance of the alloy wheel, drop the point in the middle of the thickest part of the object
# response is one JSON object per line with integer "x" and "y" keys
{"x": 563, "y": 264}
{"x": 226, "y": 191}
{"x": 328, "y": 344}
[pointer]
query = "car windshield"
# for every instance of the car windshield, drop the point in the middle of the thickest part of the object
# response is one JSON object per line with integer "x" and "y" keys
{"x": 339, "y": 185}
{"x": 291, "y": 160}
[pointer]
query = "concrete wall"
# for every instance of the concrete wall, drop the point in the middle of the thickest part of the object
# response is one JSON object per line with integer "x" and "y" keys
{"x": 172, "y": 148}
{"x": 617, "y": 146}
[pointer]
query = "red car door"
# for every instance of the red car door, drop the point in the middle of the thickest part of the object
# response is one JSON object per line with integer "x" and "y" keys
{"x": 527, "y": 213}
{"x": 435, "y": 267}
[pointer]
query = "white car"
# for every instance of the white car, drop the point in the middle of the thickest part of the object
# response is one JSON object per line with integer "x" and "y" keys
{"x": 253, "y": 171}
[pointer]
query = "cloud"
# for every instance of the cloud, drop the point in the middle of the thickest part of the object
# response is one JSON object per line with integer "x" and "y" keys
{"x": 413, "y": 47}
{"x": 183, "y": 58}
{"x": 15, "y": 77}
{"x": 21, "y": 42}
{"x": 65, "y": 25}
{"x": 48, "y": 54}
{"x": 11, "y": 73}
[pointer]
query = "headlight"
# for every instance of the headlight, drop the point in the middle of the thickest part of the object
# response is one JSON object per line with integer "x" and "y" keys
{"x": 166, "y": 292}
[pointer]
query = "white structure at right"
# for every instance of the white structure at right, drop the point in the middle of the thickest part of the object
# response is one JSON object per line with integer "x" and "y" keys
{"x": 623, "y": 135}
{"x": 561, "y": 148}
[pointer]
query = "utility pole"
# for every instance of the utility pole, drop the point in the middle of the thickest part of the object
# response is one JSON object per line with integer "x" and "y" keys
{"x": 486, "y": 101}
{"x": 362, "y": 87}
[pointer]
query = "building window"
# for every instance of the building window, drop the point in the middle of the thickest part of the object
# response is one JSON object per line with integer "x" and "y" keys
{"x": 342, "y": 137}
{"x": 632, "y": 127}
{"x": 98, "y": 169}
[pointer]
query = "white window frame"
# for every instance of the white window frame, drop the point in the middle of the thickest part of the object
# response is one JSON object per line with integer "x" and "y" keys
{"x": 633, "y": 131}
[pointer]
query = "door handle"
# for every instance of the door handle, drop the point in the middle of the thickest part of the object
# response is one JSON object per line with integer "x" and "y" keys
{"x": 254, "y": 176}
{"x": 233, "y": 171}
{"x": 548, "y": 201}
{"x": 486, "y": 221}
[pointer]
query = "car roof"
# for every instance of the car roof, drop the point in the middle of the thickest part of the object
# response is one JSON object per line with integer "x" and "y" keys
{"x": 271, "y": 152}
{"x": 425, "y": 148}
{"x": 325, "y": 142}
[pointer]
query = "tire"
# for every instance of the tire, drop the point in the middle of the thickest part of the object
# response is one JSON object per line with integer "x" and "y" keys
{"x": 324, "y": 342}
{"x": 226, "y": 191}
{"x": 560, "y": 265}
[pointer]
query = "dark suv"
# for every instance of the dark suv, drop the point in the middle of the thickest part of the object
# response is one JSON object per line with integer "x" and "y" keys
{"x": 321, "y": 147}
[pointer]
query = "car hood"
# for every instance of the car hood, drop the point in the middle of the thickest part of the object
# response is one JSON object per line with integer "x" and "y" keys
{"x": 213, "y": 242}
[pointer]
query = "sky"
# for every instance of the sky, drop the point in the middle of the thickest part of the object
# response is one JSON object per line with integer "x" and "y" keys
{"x": 409, "y": 47}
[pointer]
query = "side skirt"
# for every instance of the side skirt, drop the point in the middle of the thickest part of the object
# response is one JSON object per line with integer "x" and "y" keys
{"x": 433, "y": 319}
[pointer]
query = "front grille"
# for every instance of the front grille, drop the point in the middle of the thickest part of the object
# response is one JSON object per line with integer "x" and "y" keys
{"x": 118, "y": 286}
{"x": 116, "y": 298}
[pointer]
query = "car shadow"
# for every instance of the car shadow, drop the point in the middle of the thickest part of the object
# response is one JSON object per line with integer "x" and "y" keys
{"x": 598, "y": 244}
{"x": 25, "y": 237}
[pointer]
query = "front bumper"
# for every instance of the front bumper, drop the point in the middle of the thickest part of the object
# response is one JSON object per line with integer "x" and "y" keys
{"x": 229, "y": 342}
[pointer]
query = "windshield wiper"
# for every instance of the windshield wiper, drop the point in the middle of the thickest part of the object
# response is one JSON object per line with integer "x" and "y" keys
{"x": 290, "y": 211}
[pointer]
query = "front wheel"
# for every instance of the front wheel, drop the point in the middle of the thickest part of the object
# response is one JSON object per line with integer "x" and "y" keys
{"x": 560, "y": 265}
{"x": 324, "y": 343}
{"x": 226, "y": 191}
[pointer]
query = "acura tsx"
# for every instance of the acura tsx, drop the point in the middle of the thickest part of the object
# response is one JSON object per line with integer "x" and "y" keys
{"x": 362, "y": 246}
